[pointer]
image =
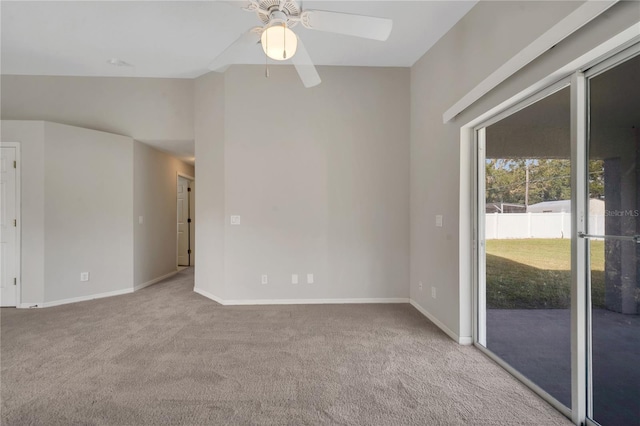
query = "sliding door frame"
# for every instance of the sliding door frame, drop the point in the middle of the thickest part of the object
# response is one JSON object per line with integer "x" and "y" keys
{"x": 579, "y": 252}
{"x": 479, "y": 289}
{"x": 580, "y": 411}
{"x": 603, "y": 66}
{"x": 479, "y": 284}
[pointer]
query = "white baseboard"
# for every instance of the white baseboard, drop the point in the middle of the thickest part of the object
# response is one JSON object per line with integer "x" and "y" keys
{"x": 83, "y": 298}
{"x": 237, "y": 302}
{"x": 97, "y": 296}
{"x": 208, "y": 295}
{"x": 312, "y": 301}
{"x": 153, "y": 281}
{"x": 27, "y": 305}
{"x": 466, "y": 340}
{"x": 461, "y": 340}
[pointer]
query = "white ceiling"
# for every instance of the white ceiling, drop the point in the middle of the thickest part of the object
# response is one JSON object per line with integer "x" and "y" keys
{"x": 180, "y": 38}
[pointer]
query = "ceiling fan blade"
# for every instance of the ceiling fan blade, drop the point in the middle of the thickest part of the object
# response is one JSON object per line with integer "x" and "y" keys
{"x": 230, "y": 55}
{"x": 305, "y": 68}
{"x": 248, "y": 5}
{"x": 346, "y": 23}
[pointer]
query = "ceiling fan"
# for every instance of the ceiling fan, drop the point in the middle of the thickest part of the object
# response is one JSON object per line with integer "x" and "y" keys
{"x": 280, "y": 43}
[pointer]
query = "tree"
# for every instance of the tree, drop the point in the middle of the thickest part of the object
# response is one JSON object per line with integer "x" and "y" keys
{"x": 596, "y": 179}
{"x": 548, "y": 180}
{"x": 505, "y": 181}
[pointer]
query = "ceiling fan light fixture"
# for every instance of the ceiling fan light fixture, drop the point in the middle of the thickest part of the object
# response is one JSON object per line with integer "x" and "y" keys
{"x": 279, "y": 42}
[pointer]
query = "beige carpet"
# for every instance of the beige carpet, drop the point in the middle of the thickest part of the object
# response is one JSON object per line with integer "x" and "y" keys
{"x": 165, "y": 355}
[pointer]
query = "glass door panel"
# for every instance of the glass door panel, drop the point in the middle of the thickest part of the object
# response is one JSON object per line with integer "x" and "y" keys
{"x": 614, "y": 224}
{"x": 526, "y": 285}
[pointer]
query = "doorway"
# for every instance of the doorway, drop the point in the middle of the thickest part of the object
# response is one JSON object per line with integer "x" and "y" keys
{"x": 184, "y": 221}
{"x": 10, "y": 224}
{"x": 558, "y": 242}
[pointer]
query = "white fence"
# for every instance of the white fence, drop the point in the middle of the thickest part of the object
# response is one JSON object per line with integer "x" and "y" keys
{"x": 499, "y": 226}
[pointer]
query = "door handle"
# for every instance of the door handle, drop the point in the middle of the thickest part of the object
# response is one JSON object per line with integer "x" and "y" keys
{"x": 634, "y": 238}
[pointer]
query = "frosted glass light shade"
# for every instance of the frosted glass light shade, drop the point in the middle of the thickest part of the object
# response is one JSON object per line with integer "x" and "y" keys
{"x": 279, "y": 42}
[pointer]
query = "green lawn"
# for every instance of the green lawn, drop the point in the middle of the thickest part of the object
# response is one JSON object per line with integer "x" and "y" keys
{"x": 536, "y": 273}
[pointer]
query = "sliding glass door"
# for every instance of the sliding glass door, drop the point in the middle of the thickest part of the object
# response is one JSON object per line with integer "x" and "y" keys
{"x": 613, "y": 243}
{"x": 558, "y": 225}
{"x": 527, "y": 207}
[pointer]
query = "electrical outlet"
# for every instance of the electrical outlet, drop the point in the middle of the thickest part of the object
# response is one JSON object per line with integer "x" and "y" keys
{"x": 420, "y": 285}
{"x": 294, "y": 278}
{"x": 84, "y": 276}
{"x": 265, "y": 279}
{"x": 433, "y": 292}
{"x": 439, "y": 220}
{"x": 235, "y": 220}
{"x": 309, "y": 278}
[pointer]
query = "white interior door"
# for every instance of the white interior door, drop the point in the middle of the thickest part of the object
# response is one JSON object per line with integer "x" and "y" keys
{"x": 183, "y": 225}
{"x": 8, "y": 227}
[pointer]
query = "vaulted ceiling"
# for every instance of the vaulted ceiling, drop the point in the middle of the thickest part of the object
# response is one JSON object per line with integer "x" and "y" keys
{"x": 181, "y": 38}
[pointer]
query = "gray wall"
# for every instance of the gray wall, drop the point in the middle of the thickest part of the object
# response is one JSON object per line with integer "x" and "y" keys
{"x": 80, "y": 205}
{"x": 320, "y": 180}
{"x": 146, "y": 109}
{"x": 209, "y": 100}
{"x": 73, "y": 179}
{"x": 490, "y": 34}
{"x": 155, "y": 194}
{"x": 321, "y": 176}
{"x": 88, "y": 208}
{"x": 330, "y": 198}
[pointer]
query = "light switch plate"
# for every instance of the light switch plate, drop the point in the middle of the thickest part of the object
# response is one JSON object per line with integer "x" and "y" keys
{"x": 309, "y": 278}
{"x": 294, "y": 278}
{"x": 439, "y": 220}
{"x": 235, "y": 220}
{"x": 140, "y": 220}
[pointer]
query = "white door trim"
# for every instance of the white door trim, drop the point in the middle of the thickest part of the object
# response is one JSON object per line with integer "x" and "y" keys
{"x": 481, "y": 267}
{"x": 18, "y": 258}
{"x": 191, "y": 179}
{"x": 184, "y": 175}
{"x": 579, "y": 198}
